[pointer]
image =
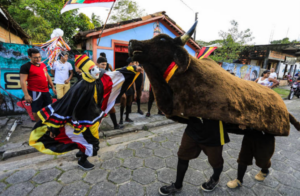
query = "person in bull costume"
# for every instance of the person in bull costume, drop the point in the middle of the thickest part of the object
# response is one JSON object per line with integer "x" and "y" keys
{"x": 73, "y": 121}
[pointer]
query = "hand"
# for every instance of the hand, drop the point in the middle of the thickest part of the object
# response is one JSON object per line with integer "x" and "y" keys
{"x": 67, "y": 81}
{"x": 139, "y": 69}
{"x": 54, "y": 91}
{"x": 52, "y": 135}
{"x": 134, "y": 96}
{"x": 28, "y": 98}
{"x": 243, "y": 127}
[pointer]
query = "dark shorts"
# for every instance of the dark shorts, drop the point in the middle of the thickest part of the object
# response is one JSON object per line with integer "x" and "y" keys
{"x": 39, "y": 100}
{"x": 189, "y": 149}
{"x": 261, "y": 148}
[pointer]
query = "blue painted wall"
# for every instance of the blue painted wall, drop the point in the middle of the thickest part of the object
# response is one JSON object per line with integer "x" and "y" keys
{"x": 139, "y": 33}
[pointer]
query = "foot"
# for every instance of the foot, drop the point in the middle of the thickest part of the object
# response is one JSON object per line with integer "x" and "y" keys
{"x": 261, "y": 176}
{"x": 234, "y": 184}
{"x": 79, "y": 154}
{"x": 121, "y": 122}
{"x": 118, "y": 126}
{"x": 128, "y": 120}
{"x": 140, "y": 112}
{"x": 168, "y": 190}
{"x": 85, "y": 165}
{"x": 148, "y": 114}
{"x": 210, "y": 185}
{"x": 160, "y": 113}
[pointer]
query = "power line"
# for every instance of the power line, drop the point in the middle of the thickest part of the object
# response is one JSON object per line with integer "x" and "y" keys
{"x": 187, "y": 5}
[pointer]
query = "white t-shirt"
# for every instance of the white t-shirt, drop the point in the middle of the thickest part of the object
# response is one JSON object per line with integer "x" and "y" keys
{"x": 273, "y": 75}
{"x": 264, "y": 82}
{"x": 61, "y": 71}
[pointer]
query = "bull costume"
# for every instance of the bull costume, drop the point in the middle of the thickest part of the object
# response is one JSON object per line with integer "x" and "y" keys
{"x": 73, "y": 121}
{"x": 185, "y": 88}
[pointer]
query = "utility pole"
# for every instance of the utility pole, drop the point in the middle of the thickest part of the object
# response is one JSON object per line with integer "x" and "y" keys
{"x": 196, "y": 18}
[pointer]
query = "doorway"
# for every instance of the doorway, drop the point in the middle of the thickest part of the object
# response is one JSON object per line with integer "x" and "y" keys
{"x": 120, "y": 59}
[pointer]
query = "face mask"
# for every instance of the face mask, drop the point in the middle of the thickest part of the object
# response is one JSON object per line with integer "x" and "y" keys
{"x": 94, "y": 71}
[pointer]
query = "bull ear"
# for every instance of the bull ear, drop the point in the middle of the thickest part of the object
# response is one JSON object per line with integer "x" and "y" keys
{"x": 182, "y": 59}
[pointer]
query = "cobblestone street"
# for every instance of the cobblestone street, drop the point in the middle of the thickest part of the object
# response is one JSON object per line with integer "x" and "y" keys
{"x": 139, "y": 163}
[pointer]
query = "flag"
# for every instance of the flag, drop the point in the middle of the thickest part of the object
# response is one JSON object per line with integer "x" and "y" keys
{"x": 205, "y": 52}
{"x": 74, "y": 4}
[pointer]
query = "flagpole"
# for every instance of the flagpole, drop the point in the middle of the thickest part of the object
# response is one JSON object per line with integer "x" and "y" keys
{"x": 105, "y": 22}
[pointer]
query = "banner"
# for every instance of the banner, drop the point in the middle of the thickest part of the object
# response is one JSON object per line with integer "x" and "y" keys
{"x": 246, "y": 72}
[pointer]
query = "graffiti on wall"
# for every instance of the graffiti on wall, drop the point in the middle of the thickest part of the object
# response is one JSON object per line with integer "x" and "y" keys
{"x": 246, "y": 72}
{"x": 12, "y": 57}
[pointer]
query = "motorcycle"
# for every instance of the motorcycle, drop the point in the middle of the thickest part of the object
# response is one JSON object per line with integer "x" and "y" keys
{"x": 294, "y": 91}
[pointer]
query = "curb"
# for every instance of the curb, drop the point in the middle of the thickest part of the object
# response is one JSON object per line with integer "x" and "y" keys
{"x": 144, "y": 127}
{"x": 102, "y": 134}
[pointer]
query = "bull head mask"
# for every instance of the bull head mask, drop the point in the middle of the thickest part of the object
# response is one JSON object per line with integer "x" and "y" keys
{"x": 160, "y": 51}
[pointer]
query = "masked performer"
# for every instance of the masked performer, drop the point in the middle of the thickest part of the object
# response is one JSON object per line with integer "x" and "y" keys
{"x": 73, "y": 121}
{"x": 204, "y": 135}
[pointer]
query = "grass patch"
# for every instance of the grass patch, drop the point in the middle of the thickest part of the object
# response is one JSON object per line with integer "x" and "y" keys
{"x": 108, "y": 144}
{"x": 282, "y": 92}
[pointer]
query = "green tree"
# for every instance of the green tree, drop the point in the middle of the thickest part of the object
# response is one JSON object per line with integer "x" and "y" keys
{"x": 285, "y": 40}
{"x": 96, "y": 20}
{"x": 126, "y": 10}
{"x": 232, "y": 43}
{"x": 39, "y": 17}
{"x": 84, "y": 23}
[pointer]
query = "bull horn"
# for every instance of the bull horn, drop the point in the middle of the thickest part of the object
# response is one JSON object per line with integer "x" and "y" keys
{"x": 184, "y": 38}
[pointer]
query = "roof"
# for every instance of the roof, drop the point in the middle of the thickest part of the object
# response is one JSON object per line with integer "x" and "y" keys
{"x": 5, "y": 16}
{"x": 124, "y": 25}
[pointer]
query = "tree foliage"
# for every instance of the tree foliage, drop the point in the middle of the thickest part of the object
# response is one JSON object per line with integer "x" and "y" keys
{"x": 232, "y": 43}
{"x": 39, "y": 17}
{"x": 285, "y": 40}
{"x": 125, "y": 10}
{"x": 96, "y": 20}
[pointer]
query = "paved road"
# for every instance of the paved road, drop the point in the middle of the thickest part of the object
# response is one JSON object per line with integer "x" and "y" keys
{"x": 138, "y": 163}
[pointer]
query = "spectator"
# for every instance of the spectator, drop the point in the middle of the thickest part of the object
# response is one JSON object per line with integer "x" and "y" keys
{"x": 62, "y": 71}
{"x": 102, "y": 63}
{"x": 108, "y": 66}
{"x": 266, "y": 81}
{"x": 139, "y": 84}
{"x": 36, "y": 91}
{"x": 297, "y": 74}
{"x": 273, "y": 74}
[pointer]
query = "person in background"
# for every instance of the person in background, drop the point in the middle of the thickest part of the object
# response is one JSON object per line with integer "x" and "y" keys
{"x": 266, "y": 81}
{"x": 108, "y": 66}
{"x": 273, "y": 74}
{"x": 36, "y": 91}
{"x": 62, "y": 71}
{"x": 150, "y": 103}
{"x": 102, "y": 63}
{"x": 127, "y": 98}
{"x": 139, "y": 85}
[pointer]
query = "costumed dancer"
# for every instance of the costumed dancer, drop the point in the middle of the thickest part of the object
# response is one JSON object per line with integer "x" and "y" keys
{"x": 204, "y": 135}
{"x": 73, "y": 121}
{"x": 102, "y": 63}
{"x": 139, "y": 84}
{"x": 258, "y": 145}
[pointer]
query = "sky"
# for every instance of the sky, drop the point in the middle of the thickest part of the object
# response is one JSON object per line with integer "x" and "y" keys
{"x": 262, "y": 17}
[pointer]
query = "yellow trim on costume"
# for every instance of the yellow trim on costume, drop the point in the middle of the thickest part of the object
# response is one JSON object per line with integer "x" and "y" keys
{"x": 35, "y": 136}
{"x": 135, "y": 77}
{"x": 96, "y": 95}
{"x": 171, "y": 73}
{"x": 41, "y": 116}
{"x": 130, "y": 68}
{"x": 94, "y": 129}
{"x": 222, "y": 133}
{"x": 203, "y": 56}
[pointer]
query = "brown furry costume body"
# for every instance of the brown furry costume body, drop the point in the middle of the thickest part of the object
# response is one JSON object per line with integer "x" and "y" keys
{"x": 201, "y": 88}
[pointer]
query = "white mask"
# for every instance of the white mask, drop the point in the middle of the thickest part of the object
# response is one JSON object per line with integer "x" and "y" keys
{"x": 95, "y": 72}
